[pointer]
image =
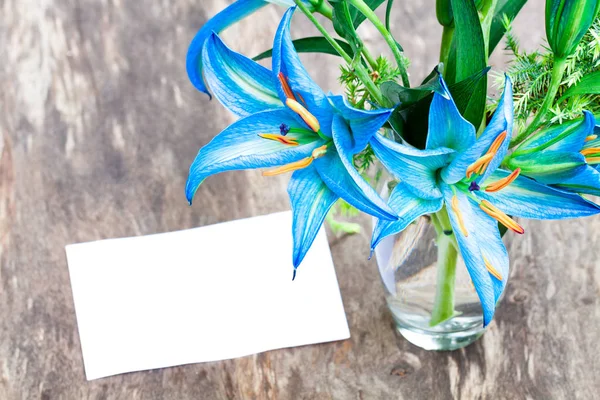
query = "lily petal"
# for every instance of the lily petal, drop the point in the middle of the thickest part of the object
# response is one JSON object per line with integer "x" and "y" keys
{"x": 349, "y": 185}
{"x": 492, "y": 248}
{"x": 287, "y": 62}
{"x": 502, "y": 121}
{"x": 447, "y": 128}
{"x": 470, "y": 248}
{"x": 311, "y": 199}
{"x": 408, "y": 207}
{"x": 564, "y": 137}
{"x": 240, "y": 147}
{"x": 417, "y": 168}
{"x": 363, "y": 123}
{"x": 527, "y": 198}
{"x": 240, "y": 84}
{"x": 586, "y": 182}
{"x": 235, "y": 12}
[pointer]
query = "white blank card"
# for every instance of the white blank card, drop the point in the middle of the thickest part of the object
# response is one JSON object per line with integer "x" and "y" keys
{"x": 204, "y": 294}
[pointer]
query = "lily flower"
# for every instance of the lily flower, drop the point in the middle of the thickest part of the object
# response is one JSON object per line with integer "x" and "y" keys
{"x": 566, "y": 156}
{"x": 459, "y": 171}
{"x": 288, "y": 124}
{"x": 237, "y": 11}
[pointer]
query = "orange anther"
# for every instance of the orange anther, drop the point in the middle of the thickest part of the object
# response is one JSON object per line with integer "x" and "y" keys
{"x": 501, "y": 217}
{"x": 306, "y": 116}
{"x": 492, "y": 270}
{"x": 280, "y": 138}
{"x": 286, "y": 86}
{"x": 305, "y": 162}
{"x": 461, "y": 222}
{"x": 504, "y": 182}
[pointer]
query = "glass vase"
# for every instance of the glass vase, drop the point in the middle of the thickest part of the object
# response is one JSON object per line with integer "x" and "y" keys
{"x": 427, "y": 286}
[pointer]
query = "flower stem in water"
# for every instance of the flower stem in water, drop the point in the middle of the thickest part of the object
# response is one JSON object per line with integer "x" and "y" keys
{"x": 443, "y": 308}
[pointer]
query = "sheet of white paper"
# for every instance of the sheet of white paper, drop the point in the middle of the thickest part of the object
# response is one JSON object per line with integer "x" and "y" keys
{"x": 205, "y": 294}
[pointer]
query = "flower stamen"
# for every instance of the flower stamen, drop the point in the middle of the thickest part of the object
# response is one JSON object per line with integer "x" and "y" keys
{"x": 501, "y": 217}
{"x": 279, "y": 138}
{"x": 459, "y": 217}
{"x": 306, "y": 116}
{"x": 477, "y": 165}
{"x": 592, "y": 160}
{"x": 590, "y": 151}
{"x": 492, "y": 270}
{"x": 296, "y": 165}
{"x": 504, "y": 182}
{"x": 287, "y": 90}
{"x": 496, "y": 144}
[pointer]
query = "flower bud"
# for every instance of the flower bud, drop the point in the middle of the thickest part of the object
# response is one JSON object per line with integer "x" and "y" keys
{"x": 443, "y": 10}
{"x": 566, "y": 23}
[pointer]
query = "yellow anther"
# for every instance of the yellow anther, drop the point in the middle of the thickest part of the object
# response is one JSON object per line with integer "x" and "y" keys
{"x": 306, "y": 116}
{"x": 591, "y": 137}
{"x": 495, "y": 146}
{"x": 592, "y": 160}
{"x": 319, "y": 152}
{"x": 492, "y": 270}
{"x": 286, "y": 86}
{"x": 461, "y": 222}
{"x": 476, "y": 166}
{"x": 501, "y": 217}
{"x": 504, "y": 182}
{"x": 305, "y": 162}
{"x": 590, "y": 151}
{"x": 280, "y": 138}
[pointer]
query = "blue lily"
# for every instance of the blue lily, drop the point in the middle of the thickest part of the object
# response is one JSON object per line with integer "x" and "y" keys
{"x": 459, "y": 171}
{"x": 566, "y": 156}
{"x": 287, "y": 122}
{"x": 230, "y": 15}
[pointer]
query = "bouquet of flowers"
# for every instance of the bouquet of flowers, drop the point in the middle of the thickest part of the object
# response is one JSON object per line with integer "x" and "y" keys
{"x": 470, "y": 164}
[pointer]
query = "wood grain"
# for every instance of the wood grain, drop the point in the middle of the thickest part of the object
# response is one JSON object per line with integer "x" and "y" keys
{"x": 98, "y": 125}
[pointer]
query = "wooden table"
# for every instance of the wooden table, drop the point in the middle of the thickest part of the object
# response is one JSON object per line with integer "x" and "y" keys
{"x": 99, "y": 125}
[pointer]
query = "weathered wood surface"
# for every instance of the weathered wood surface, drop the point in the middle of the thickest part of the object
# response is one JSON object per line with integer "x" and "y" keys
{"x": 99, "y": 124}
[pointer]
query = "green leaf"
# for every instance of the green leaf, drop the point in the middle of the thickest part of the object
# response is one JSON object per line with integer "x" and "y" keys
{"x": 589, "y": 84}
{"x": 511, "y": 9}
{"x": 343, "y": 24}
{"x": 358, "y": 18}
{"x": 388, "y": 14}
{"x": 468, "y": 57}
{"x": 404, "y": 96}
{"x": 410, "y": 119}
{"x": 315, "y": 44}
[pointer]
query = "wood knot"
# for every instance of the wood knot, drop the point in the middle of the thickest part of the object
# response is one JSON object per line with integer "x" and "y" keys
{"x": 401, "y": 370}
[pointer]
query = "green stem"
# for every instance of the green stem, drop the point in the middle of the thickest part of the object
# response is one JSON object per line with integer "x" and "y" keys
{"x": 558, "y": 72}
{"x": 369, "y": 57}
{"x": 380, "y": 26}
{"x": 322, "y": 8}
{"x": 360, "y": 71}
{"x": 443, "y": 308}
{"x": 447, "y": 35}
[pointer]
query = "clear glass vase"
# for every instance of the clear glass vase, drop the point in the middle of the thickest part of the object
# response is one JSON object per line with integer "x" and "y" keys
{"x": 428, "y": 288}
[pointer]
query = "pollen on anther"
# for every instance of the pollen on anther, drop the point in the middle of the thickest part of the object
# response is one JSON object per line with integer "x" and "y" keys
{"x": 287, "y": 90}
{"x": 504, "y": 182}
